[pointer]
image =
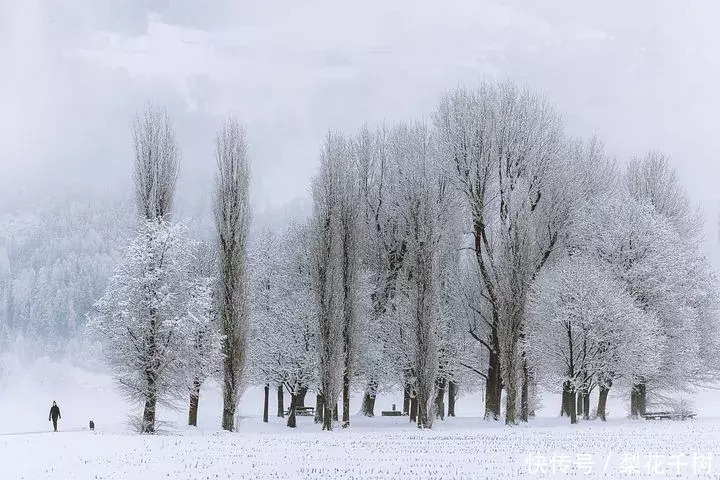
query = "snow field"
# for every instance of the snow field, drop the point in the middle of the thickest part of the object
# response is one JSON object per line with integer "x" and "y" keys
{"x": 457, "y": 449}
{"x": 465, "y": 447}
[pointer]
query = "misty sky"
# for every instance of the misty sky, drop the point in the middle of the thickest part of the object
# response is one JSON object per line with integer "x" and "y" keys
{"x": 640, "y": 74}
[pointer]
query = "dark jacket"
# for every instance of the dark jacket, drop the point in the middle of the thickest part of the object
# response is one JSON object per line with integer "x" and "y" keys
{"x": 54, "y": 413}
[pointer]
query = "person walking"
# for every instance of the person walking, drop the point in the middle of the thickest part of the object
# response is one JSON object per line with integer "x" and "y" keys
{"x": 54, "y": 415}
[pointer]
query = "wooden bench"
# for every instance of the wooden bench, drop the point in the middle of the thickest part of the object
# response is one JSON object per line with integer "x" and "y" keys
{"x": 391, "y": 413}
{"x": 668, "y": 416}
{"x": 304, "y": 411}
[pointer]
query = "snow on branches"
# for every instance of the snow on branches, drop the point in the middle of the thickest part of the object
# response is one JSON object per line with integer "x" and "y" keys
{"x": 151, "y": 316}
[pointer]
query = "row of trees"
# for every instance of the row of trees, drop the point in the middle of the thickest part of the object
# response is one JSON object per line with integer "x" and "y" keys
{"x": 491, "y": 244}
{"x": 483, "y": 248}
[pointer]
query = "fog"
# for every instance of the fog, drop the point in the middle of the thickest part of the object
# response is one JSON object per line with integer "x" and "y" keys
{"x": 641, "y": 75}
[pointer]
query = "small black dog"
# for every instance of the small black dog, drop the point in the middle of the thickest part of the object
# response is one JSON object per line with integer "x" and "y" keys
{"x": 92, "y": 426}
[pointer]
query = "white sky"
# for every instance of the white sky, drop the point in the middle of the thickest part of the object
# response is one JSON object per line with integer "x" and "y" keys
{"x": 640, "y": 74}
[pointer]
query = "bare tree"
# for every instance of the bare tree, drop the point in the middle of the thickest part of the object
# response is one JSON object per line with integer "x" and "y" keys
{"x": 232, "y": 212}
{"x": 157, "y": 161}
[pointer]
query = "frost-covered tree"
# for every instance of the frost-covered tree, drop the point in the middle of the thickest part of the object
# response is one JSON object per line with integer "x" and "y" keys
{"x": 663, "y": 275}
{"x": 384, "y": 252}
{"x": 424, "y": 204}
{"x": 204, "y": 330}
{"x": 503, "y": 146}
{"x": 266, "y": 360}
{"x": 149, "y": 316}
{"x": 349, "y": 217}
{"x": 584, "y": 329}
{"x": 651, "y": 181}
{"x": 452, "y": 334}
{"x": 157, "y": 160}
{"x": 300, "y": 315}
{"x": 283, "y": 349}
{"x": 155, "y": 175}
{"x": 326, "y": 241}
{"x": 232, "y": 212}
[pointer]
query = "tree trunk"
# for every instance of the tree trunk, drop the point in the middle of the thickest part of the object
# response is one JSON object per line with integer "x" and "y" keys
{"x": 300, "y": 397}
{"x": 347, "y": 227}
{"x": 280, "y": 401}
{"x": 579, "y": 402}
{"x": 327, "y": 416}
{"x": 368, "y": 405}
{"x": 148, "y": 425}
{"x": 230, "y": 385}
{"x": 586, "y": 405}
{"x": 194, "y": 401}
{"x": 319, "y": 408}
{"x": 149, "y": 415}
{"x": 422, "y": 411}
{"x": 565, "y": 408}
{"x": 229, "y": 404}
{"x": 440, "y": 399}
{"x": 292, "y": 422}
{"x": 642, "y": 399}
{"x": 346, "y": 400}
{"x": 533, "y": 400}
{"x": 525, "y": 392}
{"x": 413, "y": 409}
{"x": 511, "y": 395}
{"x": 335, "y": 415}
{"x": 638, "y": 398}
{"x": 510, "y": 405}
{"x": 493, "y": 385}
{"x": 452, "y": 394}
{"x": 266, "y": 403}
{"x": 406, "y": 400}
{"x": 602, "y": 403}
{"x": 569, "y": 396}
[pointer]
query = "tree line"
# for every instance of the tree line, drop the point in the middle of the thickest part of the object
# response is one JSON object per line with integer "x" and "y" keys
{"x": 483, "y": 247}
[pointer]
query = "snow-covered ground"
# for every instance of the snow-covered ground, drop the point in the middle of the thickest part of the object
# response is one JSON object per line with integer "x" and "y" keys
{"x": 382, "y": 447}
